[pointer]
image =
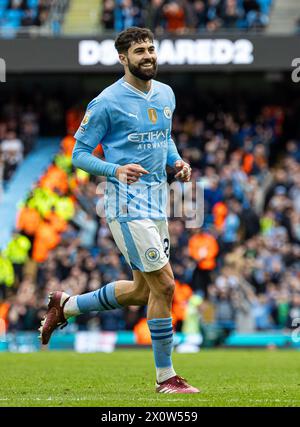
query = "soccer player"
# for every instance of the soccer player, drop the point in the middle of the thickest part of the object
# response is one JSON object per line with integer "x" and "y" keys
{"x": 132, "y": 119}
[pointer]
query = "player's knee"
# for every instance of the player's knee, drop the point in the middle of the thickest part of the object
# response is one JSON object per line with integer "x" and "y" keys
{"x": 163, "y": 284}
{"x": 167, "y": 289}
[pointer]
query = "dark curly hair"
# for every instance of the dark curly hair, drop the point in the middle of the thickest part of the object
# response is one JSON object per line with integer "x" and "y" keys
{"x": 132, "y": 35}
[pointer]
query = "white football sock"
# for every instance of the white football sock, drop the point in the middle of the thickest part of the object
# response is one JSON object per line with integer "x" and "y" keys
{"x": 163, "y": 374}
{"x": 71, "y": 308}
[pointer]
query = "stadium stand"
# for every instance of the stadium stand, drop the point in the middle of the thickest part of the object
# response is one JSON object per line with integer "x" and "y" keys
{"x": 19, "y": 128}
{"x": 171, "y": 16}
{"x": 20, "y": 16}
{"x": 17, "y": 13}
{"x": 22, "y": 181}
{"x": 180, "y": 17}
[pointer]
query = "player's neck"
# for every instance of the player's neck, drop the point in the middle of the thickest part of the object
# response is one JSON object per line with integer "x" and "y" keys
{"x": 143, "y": 86}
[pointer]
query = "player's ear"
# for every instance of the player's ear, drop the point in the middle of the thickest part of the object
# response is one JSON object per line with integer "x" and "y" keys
{"x": 123, "y": 59}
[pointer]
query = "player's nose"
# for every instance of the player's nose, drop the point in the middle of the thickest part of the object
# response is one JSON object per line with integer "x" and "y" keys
{"x": 147, "y": 55}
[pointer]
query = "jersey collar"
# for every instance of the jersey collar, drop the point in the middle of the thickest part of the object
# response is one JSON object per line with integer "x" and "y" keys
{"x": 144, "y": 95}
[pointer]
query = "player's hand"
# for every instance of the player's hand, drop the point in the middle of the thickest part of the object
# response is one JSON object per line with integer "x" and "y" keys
{"x": 130, "y": 173}
{"x": 184, "y": 171}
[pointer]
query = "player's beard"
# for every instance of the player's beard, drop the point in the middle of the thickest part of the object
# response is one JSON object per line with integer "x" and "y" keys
{"x": 142, "y": 73}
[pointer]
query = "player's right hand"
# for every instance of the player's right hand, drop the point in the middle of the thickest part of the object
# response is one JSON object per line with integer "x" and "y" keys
{"x": 130, "y": 173}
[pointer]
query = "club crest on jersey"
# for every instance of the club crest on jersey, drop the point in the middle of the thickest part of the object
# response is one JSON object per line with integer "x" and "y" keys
{"x": 86, "y": 118}
{"x": 167, "y": 112}
{"x": 152, "y": 254}
{"x": 152, "y": 114}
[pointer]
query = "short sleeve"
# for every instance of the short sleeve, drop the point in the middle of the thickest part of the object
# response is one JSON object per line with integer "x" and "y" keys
{"x": 95, "y": 123}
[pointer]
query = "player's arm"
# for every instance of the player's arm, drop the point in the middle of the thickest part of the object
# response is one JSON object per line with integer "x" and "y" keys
{"x": 174, "y": 160}
{"x": 83, "y": 158}
{"x": 93, "y": 129}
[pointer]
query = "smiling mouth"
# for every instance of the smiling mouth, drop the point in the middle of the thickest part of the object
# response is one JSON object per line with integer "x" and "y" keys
{"x": 147, "y": 65}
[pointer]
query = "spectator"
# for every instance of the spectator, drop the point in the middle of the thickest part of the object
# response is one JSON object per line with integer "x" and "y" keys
{"x": 262, "y": 312}
{"x": 254, "y": 16}
{"x": 225, "y": 312}
{"x": 230, "y": 14}
{"x": 155, "y": 16}
{"x": 199, "y": 15}
{"x": 203, "y": 249}
{"x": 88, "y": 229}
{"x": 175, "y": 17}
{"x": 128, "y": 14}
{"x": 108, "y": 14}
{"x": 230, "y": 230}
{"x": 11, "y": 149}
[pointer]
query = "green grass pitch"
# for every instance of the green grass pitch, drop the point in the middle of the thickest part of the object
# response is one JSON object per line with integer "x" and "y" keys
{"x": 126, "y": 378}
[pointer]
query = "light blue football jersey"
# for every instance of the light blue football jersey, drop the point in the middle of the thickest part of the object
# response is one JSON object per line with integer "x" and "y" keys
{"x": 133, "y": 127}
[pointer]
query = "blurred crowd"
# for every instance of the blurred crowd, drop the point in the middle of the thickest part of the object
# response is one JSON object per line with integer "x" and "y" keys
{"x": 19, "y": 128}
{"x": 185, "y": 16}
{"x": 16, "y": 13}
{"x": 239, "y": 271}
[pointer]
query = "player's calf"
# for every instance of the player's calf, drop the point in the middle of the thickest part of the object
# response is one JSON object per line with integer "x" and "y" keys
{"x": 162, "y": 287}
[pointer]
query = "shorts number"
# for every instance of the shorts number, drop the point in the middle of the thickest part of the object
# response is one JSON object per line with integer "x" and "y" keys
{"x": 166, "y": 247}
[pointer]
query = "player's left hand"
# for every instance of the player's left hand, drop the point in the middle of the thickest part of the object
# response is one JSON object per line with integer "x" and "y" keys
{"x": 184, "y": 171}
